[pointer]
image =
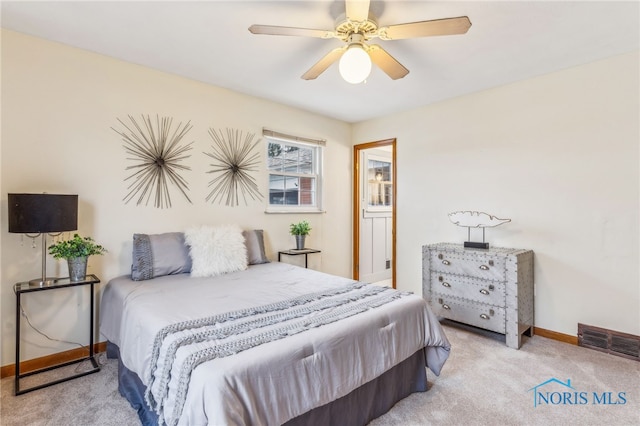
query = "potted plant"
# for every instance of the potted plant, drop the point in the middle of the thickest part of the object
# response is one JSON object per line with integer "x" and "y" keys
{"x": 300, "y": 230}
{"x": 76, "y": 251}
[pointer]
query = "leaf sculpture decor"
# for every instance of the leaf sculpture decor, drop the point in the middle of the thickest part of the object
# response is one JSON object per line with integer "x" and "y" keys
{"x": 234, "y": 159}
{"x": 475, "y": 219}
{"x": 158, "y": 154}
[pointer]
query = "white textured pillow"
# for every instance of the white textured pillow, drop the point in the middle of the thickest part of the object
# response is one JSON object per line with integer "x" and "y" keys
{"x": 216, "y": 250}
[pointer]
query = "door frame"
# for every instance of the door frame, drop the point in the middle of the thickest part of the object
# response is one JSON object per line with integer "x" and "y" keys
{"x": 357, "y": 208}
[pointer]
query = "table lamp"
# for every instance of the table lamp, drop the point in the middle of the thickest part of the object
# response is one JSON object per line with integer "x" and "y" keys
{"x": 42, "y": 214}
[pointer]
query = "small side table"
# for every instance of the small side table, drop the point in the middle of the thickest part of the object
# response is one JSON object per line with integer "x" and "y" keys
{"x": 294, "y": 252}
{"x": 24, "y": 287}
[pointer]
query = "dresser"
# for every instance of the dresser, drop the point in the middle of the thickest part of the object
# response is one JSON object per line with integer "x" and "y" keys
{"x": 491, "y": 289}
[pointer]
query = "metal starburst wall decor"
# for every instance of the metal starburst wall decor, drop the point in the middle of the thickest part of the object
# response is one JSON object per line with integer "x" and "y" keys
{"x": 158, "y": 155}
{"x": 234, "y": 160}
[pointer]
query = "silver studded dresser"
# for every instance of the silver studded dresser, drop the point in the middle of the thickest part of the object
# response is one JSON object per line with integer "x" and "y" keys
{"x": 491, "y": 289}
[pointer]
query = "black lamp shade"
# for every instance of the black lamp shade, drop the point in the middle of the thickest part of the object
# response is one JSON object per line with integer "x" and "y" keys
{"x": 35, "y": 213}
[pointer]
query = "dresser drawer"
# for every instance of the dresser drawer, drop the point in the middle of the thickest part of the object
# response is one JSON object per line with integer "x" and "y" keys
{"x": 483, "y": 291}
{"x": 476, "y": 314}
{"x": 471, "y": 263}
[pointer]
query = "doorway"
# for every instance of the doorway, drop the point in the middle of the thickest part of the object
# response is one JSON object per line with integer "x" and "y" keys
{"x": 374, "y": 212}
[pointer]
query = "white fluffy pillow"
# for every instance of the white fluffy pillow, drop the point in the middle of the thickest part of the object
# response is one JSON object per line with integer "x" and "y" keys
{"x": 216, "y": 250}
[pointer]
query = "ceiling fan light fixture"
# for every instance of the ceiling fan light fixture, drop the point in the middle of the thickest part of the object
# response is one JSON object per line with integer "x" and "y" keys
{"x": 355, "y": 64}
{"x": 357, "y": 27}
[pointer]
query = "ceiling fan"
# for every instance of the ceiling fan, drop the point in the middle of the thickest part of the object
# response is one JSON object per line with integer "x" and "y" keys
{"x": 358, "y": 26}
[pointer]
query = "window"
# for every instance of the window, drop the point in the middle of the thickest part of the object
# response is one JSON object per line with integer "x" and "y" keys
{"x": 380, "y": 185}
{"x": 294, "y": 175}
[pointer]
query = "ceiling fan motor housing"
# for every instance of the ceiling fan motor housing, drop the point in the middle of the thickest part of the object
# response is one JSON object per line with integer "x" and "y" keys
{"x": 346, "y": 28}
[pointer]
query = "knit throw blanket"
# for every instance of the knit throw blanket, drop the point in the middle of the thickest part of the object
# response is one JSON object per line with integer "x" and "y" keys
{"x": 229, "y": 333}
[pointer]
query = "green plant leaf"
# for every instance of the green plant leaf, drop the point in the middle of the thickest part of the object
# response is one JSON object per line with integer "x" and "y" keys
{"x": 300, "y": 228}
{"x": 76, "y": 247}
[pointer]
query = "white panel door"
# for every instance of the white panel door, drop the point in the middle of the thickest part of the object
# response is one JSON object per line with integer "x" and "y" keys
{"x": 376, "y": 215}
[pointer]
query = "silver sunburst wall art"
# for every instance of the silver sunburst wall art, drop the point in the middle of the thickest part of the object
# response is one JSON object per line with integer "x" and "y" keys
{"x": 234, "y": 160}
{"x": 158, "y": 153}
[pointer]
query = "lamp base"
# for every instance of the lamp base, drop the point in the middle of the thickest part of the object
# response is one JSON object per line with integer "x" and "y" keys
{"x": 43, "y": 282}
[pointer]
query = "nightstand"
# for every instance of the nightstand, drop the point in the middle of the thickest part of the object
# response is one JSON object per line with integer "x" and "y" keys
{"x": 24, "y": 287}
{"x": 294, "y": 252}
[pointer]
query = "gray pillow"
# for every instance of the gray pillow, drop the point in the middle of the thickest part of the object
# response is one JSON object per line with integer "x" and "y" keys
{"x": 254, "y": 240}
{"x": 156, "y": 255}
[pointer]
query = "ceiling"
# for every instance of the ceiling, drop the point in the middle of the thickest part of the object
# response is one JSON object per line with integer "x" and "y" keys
{"x": 209, "y": 42}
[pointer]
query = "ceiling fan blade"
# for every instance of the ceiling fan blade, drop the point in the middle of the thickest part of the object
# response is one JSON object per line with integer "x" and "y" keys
{"x": 386, "y": 62}
{"x": 436, "y": 27}
{"x": 357, "y": 10}
{"x": 290, "y": 31}
{"x": 324, "y": 63}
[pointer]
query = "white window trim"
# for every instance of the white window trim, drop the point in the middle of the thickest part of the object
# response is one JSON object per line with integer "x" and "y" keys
{"x": 318, "y": 146}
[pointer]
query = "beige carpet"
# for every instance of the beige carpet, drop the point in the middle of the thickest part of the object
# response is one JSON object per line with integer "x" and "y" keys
{"x": 483, "y": 383}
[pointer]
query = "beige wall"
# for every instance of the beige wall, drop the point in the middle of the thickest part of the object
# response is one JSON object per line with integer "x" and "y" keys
{"x": 558, "y": 155}
{"x": 58, "y": 107}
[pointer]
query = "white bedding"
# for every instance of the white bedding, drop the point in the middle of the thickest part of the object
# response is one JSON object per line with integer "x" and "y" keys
{"x": 279, "y": 380}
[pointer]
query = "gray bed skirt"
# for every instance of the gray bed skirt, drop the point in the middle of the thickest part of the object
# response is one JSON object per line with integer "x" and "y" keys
{"x": 359, "y": 407}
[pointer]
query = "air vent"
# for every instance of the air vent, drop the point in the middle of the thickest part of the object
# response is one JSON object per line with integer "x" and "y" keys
{"x": 609, "y": 341}
{"x": 624, "y": 345}
{"x": 594, "y": 338}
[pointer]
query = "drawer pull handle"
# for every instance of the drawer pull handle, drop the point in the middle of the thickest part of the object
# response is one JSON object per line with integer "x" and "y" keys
{"x": 446, "y": 284}
{"x": 484, "y": 267}
{"x": 445, "y": 306}
{"x": 484, "y": 291}
{"x": 446, "y": 262}
{"x": 484, "y": 316}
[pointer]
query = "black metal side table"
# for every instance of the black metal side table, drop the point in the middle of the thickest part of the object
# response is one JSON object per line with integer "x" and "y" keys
{"x": 294, "y": 252}
{"x": 24, "y": 287}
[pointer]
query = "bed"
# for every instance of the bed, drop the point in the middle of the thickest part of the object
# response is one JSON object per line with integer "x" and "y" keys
{"x": 269, "y": 344}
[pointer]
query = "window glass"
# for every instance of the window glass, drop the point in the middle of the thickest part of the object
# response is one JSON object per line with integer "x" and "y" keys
{"x": 379, "y": 183}
{"x": 294, "y": 174}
